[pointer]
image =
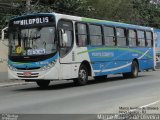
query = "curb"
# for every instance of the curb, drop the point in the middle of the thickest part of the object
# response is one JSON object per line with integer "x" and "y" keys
{"x": 13, "y": 84}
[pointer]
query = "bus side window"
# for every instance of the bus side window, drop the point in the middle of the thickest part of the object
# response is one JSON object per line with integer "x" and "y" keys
{"x": 121, "y": 37}
{"x": 132, "y": 38}
{"x": 95, "y": 33}
{"x": 141, "y": 38}
{"x": 109, "y": 37}
{"x": 149, "y": 39}
{"x": 81, "y": 34}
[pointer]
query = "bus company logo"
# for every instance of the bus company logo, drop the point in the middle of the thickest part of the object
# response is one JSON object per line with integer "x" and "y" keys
{"x": 32, "y": 21}
{"x": 103, "y": 54}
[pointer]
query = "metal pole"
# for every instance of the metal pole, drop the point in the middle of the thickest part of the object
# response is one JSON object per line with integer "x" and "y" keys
{"x": 2, "y": 33}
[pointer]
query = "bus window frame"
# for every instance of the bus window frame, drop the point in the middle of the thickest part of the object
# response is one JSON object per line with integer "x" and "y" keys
{"x": 100, "y": 25}
{"x": 76, "y": 33}
{"x": 141, "y": 38}
{"x": 73, "y": 38}
{"x": 135, "y": 38}
{"x": 149, "y": 39}
{"x": 125, "y": 33}
{"x": 114, "y": 37}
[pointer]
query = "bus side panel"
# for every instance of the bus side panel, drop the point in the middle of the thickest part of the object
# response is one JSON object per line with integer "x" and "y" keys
{"x": 147, "y": 61}
{"x": 107, "y": 60}
{"x": 146, "y": 64}
{"x": 111, "y": 67}
{"x": 69, "y": 71}
{"x": 70, "y": 68}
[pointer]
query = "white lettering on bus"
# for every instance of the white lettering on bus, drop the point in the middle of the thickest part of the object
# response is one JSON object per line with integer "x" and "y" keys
{"x": 102, "y": 54}
{"x": 32, "y": 21}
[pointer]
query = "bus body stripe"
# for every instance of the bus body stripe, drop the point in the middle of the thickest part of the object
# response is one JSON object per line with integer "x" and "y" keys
{"x": 120, "y": 67}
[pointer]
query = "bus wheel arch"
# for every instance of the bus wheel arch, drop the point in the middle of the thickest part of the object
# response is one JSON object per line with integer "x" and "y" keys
{"x": 83, "y": 73}
{"x": 88, "y": 66}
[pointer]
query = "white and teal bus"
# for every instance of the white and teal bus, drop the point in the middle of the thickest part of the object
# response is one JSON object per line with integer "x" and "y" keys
{"x": 51, "y": 46}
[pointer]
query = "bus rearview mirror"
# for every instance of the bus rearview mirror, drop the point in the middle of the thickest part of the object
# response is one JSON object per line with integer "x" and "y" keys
{"x": 64, "y": 38}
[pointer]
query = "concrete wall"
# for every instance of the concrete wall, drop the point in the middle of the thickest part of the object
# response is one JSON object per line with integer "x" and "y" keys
{"x": 3, "y": 56}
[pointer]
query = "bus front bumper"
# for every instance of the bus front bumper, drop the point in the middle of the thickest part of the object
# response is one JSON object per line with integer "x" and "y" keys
{"x": 33, "y": 75}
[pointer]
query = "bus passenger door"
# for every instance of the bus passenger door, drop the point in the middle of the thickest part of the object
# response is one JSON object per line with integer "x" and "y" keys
{"x": 65, "y": 30}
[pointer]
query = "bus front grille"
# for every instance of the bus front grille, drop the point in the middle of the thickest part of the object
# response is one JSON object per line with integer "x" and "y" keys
{"x": 28, "y": 68}
{"x": 31, "y": 75}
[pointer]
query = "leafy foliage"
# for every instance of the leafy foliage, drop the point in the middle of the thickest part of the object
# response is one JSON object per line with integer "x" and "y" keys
{"x": 141, "y": 12}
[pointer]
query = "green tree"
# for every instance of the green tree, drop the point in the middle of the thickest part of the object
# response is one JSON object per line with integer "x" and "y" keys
{"x": 147, "y": 12}
{"x": 141, "y": 12}
{"x": 117, "y": 10}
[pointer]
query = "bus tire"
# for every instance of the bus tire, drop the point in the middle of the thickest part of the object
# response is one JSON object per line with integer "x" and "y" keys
{"x": 134, "y": 70}
{"x": 82, "y": 76}
{"x": 43, "y": 83}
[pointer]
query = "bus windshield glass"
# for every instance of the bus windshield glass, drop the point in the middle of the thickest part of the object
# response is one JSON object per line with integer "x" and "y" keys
{"x": 32, "y": 41}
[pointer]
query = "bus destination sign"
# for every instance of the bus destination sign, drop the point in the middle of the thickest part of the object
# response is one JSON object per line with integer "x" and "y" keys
{"x": 31, "y": 21}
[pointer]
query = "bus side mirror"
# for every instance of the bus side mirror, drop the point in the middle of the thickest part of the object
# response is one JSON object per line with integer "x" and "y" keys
{"x": 63, "y": 38}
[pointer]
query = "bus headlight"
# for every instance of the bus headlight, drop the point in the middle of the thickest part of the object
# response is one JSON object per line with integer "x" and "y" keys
{"x": 50, "y": 65}
{"x": 12, "y": 68}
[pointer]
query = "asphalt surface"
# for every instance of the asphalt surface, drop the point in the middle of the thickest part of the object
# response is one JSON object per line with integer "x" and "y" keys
{"x": 99, "y": 96}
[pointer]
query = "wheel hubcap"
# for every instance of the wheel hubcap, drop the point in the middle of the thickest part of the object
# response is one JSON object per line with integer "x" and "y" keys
{"x": 82, "y": 74}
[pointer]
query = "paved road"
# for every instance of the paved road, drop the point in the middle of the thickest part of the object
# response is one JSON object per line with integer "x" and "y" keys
{"x": 97, "y": 97}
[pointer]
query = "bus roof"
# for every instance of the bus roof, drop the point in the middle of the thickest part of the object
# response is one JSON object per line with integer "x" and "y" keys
{"x": 105, "y": 22}
{"x": 116, "y": 24}
{"x": 90, "y": 20}
{"x": 33, "y": 14}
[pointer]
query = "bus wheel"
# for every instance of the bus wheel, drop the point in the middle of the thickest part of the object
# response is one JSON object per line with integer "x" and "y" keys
{"x": 134, "y": 71}
{"x": 82, "y": 76}
{"x": 43, "y": 83}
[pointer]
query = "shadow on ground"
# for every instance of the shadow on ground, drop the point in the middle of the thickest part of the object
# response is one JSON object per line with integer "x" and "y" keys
{"x": 70, "y": 84}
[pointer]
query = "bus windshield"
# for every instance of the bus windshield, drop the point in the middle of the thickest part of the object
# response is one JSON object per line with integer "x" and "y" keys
{"x": 32, "y": 41}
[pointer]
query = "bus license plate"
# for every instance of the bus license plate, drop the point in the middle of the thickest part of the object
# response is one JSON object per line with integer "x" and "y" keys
{"x": 27, "y": 73}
